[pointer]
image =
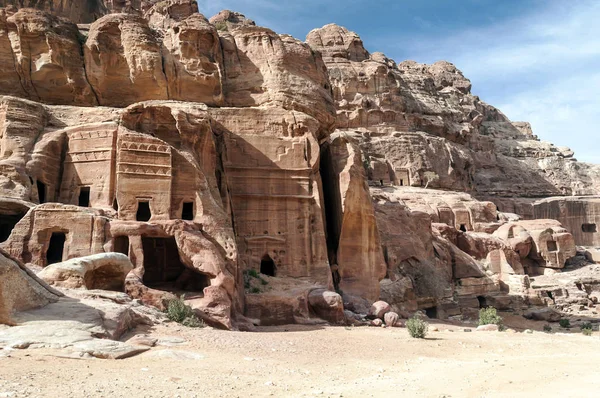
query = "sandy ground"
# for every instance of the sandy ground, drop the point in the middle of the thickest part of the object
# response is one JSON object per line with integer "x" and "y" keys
{"x": 297, "y": 361}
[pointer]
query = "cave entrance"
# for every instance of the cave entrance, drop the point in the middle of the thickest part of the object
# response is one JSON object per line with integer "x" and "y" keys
{"x": 41, "y": 188}
{"x": 463, "y": 228}
{"x": 187, "y": 212}
{"x": 143, "y": 211}
{"x": 84, "y": 197}
{"x": 482, "y": 302}
{"x": 56, "y": 247}
{"x": 588, "y": 228}
{"x": 552, "y": 247}
{"x": 431, "y": 312}
{"x": 163, "y": 269}
{"x": 332, "y": 203}
{"x": 7, "y": 224}
{"x": 122, "y": 245}
{"x": 267, "y": 266}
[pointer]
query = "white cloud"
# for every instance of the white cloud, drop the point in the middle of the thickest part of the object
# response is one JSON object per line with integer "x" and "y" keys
{"x": 541, "y": 68}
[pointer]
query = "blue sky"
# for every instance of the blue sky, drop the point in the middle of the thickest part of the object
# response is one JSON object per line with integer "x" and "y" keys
{"x": 536, "y": 60}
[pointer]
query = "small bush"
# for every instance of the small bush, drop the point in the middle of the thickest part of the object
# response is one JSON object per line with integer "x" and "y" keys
{"x": 587, "y": 331}
{"x": 254, "y": 290}
{"x": 253, "y": 273}
{"x": 564, "y": 323}
{"x": 221, "y": 26}
{"x": 489, "y": 316}
{"x": 417, "y": 328}
{"x": 178, "y": 311}
{"x": 586, "y": 325}
{"x": 547, "y": 328}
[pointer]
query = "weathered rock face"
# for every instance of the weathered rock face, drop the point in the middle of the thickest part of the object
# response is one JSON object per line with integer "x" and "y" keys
{"x": 86, "y": 11}
{"x": 353, "y": 233}
{"x": 123, "y": 61}
{"x": 20, "y": 290}
{"x": 287, "y": 170}
{"x": 262, "y": 67}
{"x": 42, "y": 59}
{"x": 428, "y": 124}
{"x": 579, "y": 215}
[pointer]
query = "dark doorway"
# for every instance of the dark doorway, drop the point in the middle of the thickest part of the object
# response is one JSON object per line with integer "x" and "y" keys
{"x": 164, "y": 270}
{"x": 187, "y": 213}
{"x": 54, "y": 254}
{"x": 115, "y": 204}
{"x": 588, "y": 228}
{"x": 401, "y": 182}
{"x": 84, "y": 196}
{"x": 7, "y": 224}
{"x": 431, "y": 312}
{"x": 552, "y": 246}
{"x": 41, "y": 187}
{"x": 143, "y": 211}
{"x": 122, "y": 245}
{"x": 463, "y": 228}
{"x": 482, "y": 302}
{"x": 267, "y": 266}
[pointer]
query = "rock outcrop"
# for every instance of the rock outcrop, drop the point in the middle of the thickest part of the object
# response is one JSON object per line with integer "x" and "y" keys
{"x": 105, "y": 271}
{"x": 20, "y": 289}
{"x": 255, "y": 174}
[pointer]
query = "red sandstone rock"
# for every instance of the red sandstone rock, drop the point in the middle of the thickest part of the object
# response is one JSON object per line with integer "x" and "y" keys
{"x": 379, "y": 309}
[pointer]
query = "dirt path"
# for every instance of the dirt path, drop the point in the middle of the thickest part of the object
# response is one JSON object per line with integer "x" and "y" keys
{"x": 296, "y": 361}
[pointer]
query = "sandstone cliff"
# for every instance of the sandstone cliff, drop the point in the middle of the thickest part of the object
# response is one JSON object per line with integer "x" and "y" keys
{"x": 210, "y": 151}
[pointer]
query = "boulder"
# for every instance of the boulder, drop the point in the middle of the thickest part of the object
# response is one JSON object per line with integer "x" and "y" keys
{"x": 327, "y": 305}
{"x": 487, "y": 328}
{"x": 390, "y": 318}
{"x": 104, "y": 271}
{"x": 543, "y": 314}
{"x": 20, "y": 289}
{"x": 379, "y": 309}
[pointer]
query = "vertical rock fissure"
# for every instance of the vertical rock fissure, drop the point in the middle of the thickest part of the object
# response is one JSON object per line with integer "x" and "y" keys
{"x": 333, "y": 207}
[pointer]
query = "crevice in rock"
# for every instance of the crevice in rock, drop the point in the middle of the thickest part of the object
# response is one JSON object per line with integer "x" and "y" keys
{"x": 332, "y": 205}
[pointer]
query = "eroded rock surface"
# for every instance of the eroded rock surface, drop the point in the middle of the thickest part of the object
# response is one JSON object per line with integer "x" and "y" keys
{"x": 255, "y": 174}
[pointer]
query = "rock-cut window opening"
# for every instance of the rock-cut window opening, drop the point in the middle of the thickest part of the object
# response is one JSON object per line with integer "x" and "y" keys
{"x": 187, "y": 212}
{"x": 84, "y": 197}
{"x": 431, "y": 312}
{"x": 122, "y": 245}
{"x": 552, "y": 247}
{"x": 267, "y": 266}
{"x": 56, "y": 247}
{"x": 588, "y": 228}
{"x": 143, "y": 211}
{"x": 7, "y": 224}
{"x": 482, "y": 302}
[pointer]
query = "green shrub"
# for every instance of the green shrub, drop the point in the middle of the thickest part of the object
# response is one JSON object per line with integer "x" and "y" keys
{"x": 178, "y": 311}
{"x": 547, "y": 328}
{"x": 564, "y": 323}
{"x": 254, "y": 290}
{"x": 417, "y": 328}
{"x": 253, "y": 273}
{"x": 489, "y": 316}
{"x": 586, "y": 325}
{"x": 221, "y": 25}
{"x": 587, "y": 331}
